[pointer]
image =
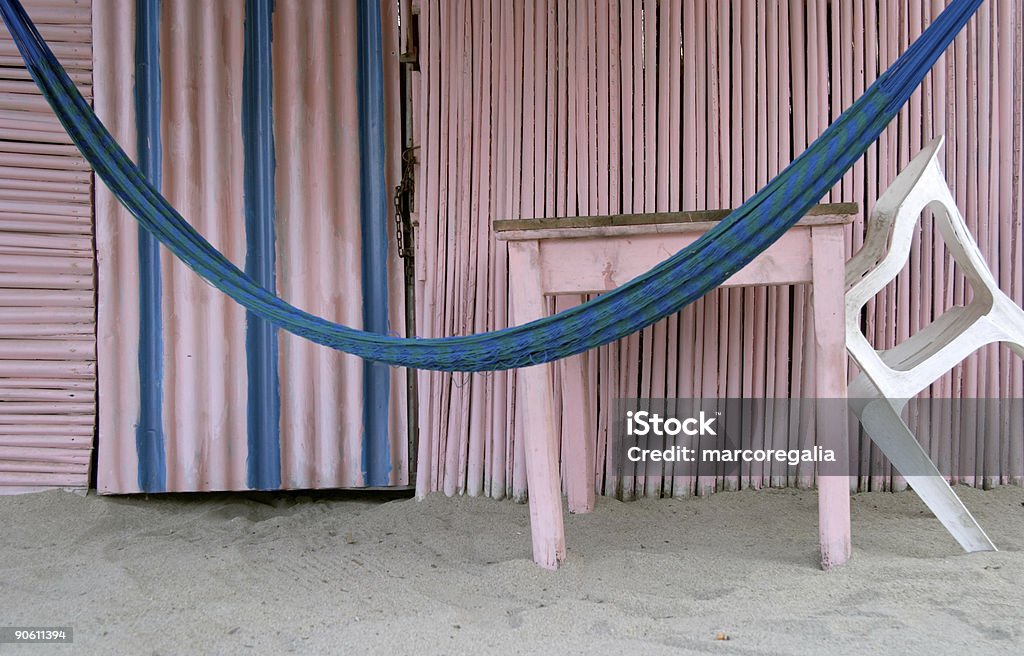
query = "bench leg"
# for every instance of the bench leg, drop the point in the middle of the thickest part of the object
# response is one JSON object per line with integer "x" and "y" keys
{"x": 536, "y": 393}
{"x": 829, "y": 307}
{"x": 577, "y": 424}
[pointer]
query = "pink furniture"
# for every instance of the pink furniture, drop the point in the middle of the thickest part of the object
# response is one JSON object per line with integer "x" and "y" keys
{"x": 586, "y": 255}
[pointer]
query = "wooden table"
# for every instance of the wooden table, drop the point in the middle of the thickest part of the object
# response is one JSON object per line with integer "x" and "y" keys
{"x": 587, "y": 255}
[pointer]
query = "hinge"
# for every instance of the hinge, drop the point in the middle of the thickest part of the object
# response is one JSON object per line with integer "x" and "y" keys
{"x": 411, "y": 55}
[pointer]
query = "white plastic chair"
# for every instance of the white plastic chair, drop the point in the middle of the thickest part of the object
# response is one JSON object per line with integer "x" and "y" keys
{"x": 888, "y": 379}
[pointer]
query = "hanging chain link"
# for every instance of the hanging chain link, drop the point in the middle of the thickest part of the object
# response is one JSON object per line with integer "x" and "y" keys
{"x": 404, "y": 199}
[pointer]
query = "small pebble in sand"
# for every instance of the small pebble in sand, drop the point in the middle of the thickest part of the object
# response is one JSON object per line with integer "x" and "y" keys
{"x": 721, "y": 635}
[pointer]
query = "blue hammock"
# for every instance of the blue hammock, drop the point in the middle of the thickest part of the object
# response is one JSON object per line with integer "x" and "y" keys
{"x": 664, "y": 290}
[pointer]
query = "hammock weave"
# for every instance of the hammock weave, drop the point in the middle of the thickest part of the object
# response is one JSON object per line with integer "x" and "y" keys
{"x": 664, "y": 290}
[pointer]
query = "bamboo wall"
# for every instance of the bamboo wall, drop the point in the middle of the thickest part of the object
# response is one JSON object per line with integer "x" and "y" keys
{"x": 47, "y": 290}
{"x": 556, "y": 108}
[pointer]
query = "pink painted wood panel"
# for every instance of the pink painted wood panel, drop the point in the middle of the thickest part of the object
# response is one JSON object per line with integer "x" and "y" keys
{"x": 47, "y": 287}
{"x": 702, "y": 105}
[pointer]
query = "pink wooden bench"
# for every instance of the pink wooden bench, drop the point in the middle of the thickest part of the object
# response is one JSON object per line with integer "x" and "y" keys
{"x": 587, "y": 255}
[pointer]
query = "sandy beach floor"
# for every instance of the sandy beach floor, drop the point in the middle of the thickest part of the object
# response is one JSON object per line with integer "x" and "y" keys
{"x": 335, "y": 574}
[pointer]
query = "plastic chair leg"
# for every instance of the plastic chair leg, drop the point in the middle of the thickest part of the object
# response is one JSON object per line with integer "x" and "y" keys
{"x": 887, "y": 430}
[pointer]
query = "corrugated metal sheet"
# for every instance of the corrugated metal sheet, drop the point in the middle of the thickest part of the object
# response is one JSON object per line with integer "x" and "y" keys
{"x": 558, "y": 108}
{"x": 116, "y": 255}
{"x": 47, "y": 310}
{"x": 319, "y": 260}
{"x": 317, "y": 249}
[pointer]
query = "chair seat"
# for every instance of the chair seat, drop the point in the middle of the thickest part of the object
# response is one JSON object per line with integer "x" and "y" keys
{"x": 911, "y": 366}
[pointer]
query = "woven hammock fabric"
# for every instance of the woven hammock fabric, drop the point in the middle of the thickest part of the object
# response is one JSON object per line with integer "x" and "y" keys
{"x": 664, "y": 290}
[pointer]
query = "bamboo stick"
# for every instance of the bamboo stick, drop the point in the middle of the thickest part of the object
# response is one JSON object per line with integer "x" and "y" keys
{"x": 30, "y": 384}
{"x": 599, "y": 107}
{"x": 43, "y": 252}
{"x": 466, "y": 249}
{"x": 46, "y": 459}
{"x": 614, "y": 91}
{"x": 442, "y": 316}
{"x": 32, "y": 264}
{"x": 66, "y": 30}
{"x": 47, "y": 428}
{"x": 63, "y": 332}
{"x": 49, "y": 414}
{"x": 69, "y": 199}
{"x": 64, "y": 50}
{"x": 47, "y": 208}
{"x": 563, "y": 170}
{"x": 71, "y": 350}
{"x": 503, "y": 395}
{"x": 427, "y": 98}
{"x": 49, "y": 468}
{"x": 21, "y": 74}
{"x": 479, "y": 264}
{"x": 45, "y": 281}
{"x": 23, "y": 298}
{"x": 35, "y": 175}
{"x": 46, "y": 241}
{"x": 18, "y": 479}
{"x": 80, "y": 443}
{"x": 11, "y": 156}
{"x": 66, "y": 15}
{"x": 33, "y": 395}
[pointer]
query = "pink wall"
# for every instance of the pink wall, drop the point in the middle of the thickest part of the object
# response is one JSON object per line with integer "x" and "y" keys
{"x": 523, "y": 109}
{"x": 559, "y": 108}
{"x": 47, "y": 329}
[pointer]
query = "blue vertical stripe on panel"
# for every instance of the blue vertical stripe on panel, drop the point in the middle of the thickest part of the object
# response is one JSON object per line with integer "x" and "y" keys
{"x": 264, "y": 459}
{"x": 149, "y": 432}
{"x": 373, "y": 221}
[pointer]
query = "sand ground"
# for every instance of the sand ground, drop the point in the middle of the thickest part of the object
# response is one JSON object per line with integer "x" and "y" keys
{"x": 340, "y": 575}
